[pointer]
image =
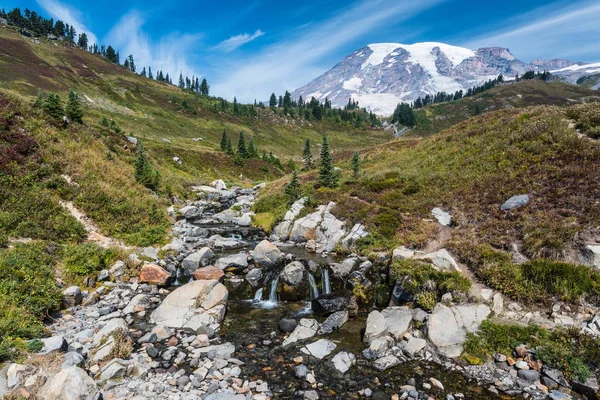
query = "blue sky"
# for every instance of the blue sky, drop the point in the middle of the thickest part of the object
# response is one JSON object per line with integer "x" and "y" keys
{"x": 251, "y": 48}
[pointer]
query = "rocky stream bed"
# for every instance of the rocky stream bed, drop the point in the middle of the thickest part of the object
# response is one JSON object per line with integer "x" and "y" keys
{"x": 227, "y": 313}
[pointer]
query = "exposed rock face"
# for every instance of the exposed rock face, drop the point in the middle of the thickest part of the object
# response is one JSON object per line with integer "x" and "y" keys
{"x": 282, "y": 230}
{"x": 447, "y": 327}
{"x": 197, "y": 304}
{"x": 381, "y": 75}
{"x": 154, "y": 274}
{"x": 321, "y": 226}
{"x": 266, "y": 254}
{"x": 293, "y": 281}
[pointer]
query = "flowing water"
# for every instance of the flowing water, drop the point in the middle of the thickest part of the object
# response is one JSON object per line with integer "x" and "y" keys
{"x": 314, "y": 291}
{"x": 325, "y": 280}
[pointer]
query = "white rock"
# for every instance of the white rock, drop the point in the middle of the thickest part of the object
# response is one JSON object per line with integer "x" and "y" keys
{"x": 307, "y": 328}
{"x": 442, "y": 216}
{"x": 71, "y": 383}
{"x": 376, "y": 326}
{"x": 319, "y": 349}
{"x": 441, "y": 260}
{"x": 343, "y": 361}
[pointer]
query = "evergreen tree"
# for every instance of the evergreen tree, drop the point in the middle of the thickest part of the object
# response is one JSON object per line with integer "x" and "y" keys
{"x": 131, "y": 63}
{"x": 291, "y": 165}
{"x": 252, "y": 152}
{"x": 39, "y": 101}
{"x": 83, "y": 41}
{"x": 204, "y": 88}
{"x": 355, "y": 164}
{"x": 53, "y": 107}
{"x": 181, "y": 82}
{"x": 111, "y": 55}
{"x": 273, "y": 100}
{"x": 236, "y": 108}
{"x": 327, "y": 175}
{"x": 404, "y": 115}
{"x": 73, "y": 108}
{"x": 280, "y": 102}
{"x": 307, "y": 155}
{"x": 150, "y": 73}
{"x": 143, "y": 73}
{"x": 224, "y": 141}
{"x": 144, "y": 173}
{"x": 292, "y": 189}
{"x": 229, "y": 147}
{"x": 242, "y": 151}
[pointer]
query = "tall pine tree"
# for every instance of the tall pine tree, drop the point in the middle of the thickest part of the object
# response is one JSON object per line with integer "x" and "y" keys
{"x": 252, "y": 152}
{"x": 224, "y": 141}
{"x": 355, "y": 165}
{"x": 327, "y": 175}
{"x": 73, "y": 108}
{"x": 292, "y": 189}
{"x": 307, "y": 155}
{"x": 242, "y": 150}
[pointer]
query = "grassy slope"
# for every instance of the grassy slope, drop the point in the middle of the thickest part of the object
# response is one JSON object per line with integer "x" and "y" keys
{"x": 438, "y": 117}
{"x": 152, "y": 111}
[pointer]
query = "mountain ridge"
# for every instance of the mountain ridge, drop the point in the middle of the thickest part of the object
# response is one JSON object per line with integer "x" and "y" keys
{"x": 380, "y": 75}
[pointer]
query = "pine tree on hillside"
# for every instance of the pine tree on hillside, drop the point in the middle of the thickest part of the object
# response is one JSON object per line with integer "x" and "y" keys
{"x": 131, "y": 63}
{"x": 236, "y": 108}
{"x": 143, "y": 171}
{"x": 355, "y": 165}
{"x": 307, "y": 156}
{"x": 229, "y": 147}
{"x": 292, "y": 189}
{"x": 242, "y": 150}
{"x": 181, "y": 82}
{"x": 83, "y": 41}
{"x": 224, "y": 141}
{"x": 111, "y": 55}
{"x": 404, "y": 115}
{"x": 53, "y": 107}
{"x": 273, "y": 100}
{"x": 252, "y": 152}
{"x": 204, "y": 88}
{"x": 327, "y": 176}
{"x": 143, "y": 73}
{"x": 150, "y": 73}
{"x": 73, "y": 108}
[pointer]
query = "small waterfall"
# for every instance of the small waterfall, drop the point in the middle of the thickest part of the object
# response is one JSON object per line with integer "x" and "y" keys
{"x": 325, "y": 279}
{"x": 258, "y": 295}
{"x": 177, "y": 275}
{"x": 273, "y": 292}
{"x": 314, "y": 291}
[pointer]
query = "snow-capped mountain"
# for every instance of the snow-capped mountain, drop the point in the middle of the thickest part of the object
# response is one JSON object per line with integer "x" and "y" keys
{"x": 381, "y": 75}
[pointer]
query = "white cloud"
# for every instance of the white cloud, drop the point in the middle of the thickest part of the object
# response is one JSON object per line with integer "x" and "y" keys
{"x": 238, "y": 40}
{"x": 570, "y": 31}
{"x": 69, "y": 16}
{"x": 292, "y": 63}
{"x": 169, "y": 53}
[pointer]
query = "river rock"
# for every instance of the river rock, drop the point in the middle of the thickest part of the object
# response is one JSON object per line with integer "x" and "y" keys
{"x": 442, "y": 216}
{"x": 293, "y": 282}
{"x": 441, "y": 260}
{"x": 376, "y": 327}
{"x": 319, "y": 349}
{"x": 72, "y": 296}
{"x": 208, "y": 273}
{"x": 254, "y": 277}
{"x": 334, "y": 322}
{"x": 306, "y": 329}
{"x": 71, "y": 383}
{"x": 321, "y": 226}
{"x": 113, "y": 327}
{"x": 447, "y": 327}
{"x": 397, "y": 320}
{"x": 154, "y": 275}
{"x": 190, "y": 306}
{"x": 341, "y": 270}
{"x": 515, "y": 202}
{"x": 238, "y": 261}
{"x": 266, "y": 254}
{"x": 287, "y": 325}
{"x": 343, "y": 360}
{"x": 386, "y": 362}
{"x": 54, "y": 344}
{"x": 338, "y": 300}
{"x": 200, "y": 258}
{"x": 414, "y": 346}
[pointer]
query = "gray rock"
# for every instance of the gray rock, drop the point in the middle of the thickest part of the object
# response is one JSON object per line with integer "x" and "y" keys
{"x": 334, "y": 322}
{"x": 528, "y": 375}
{"x": 72, "y": 296}
{"x": 266, "y": 254}
{"x": 293, "y": 274}
{"x": 387, "y": 362}
{"x": 442, "y": 216}
{"x": 200, "y": 258}
{"x": 343, "y": 360}
{"x": 376, "y": 326}
{"x": 239, "y": 260}
{"x": 301, "y": 371}
{"x": 71, "y": 383}
{"x": 254, "y": 277}
{"x": 111, "y": 328}
{"x": 287, "y": 325}
{"x": 54, "y": 343}
{"x": 556, "y": 395}
{"x": 319, "y": 349}
{"x": 73, "y": 359}
{"x": 441, "y": 260}
{"x": 414, "y": 346}
{"x": 397, "y": 320}
{"x": 341, "y": 270}
{"x": 306, "y": 329}
{"x": 515, "y": 201}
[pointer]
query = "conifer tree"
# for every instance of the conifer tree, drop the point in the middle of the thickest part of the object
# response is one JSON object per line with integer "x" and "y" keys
{"x": 150, "y": 73}
{"x": 242, "y": 151}
{"x": 273, "y": 100}
{"x": 143, "y": 73}
{"x": 111, "y": 55}
{"x": 83, "y": 41}
{"x": 292, "y": 189}
{"x": 73, "y": 108}
{"x": 355, "y": 164}
{"x": 236, "y": 108}
{"x": 307, "y": 155}
{"x": 224, "y": 141}
{"x": 327, "y": 176}
{"x": 181, "y": 82}
{"x": 229, "y": 147}
{"x": 53, "y": 106}
{"x": 252, "y": 152}
{"x": 143, "y": 172}
{"x": 204, "y": 88}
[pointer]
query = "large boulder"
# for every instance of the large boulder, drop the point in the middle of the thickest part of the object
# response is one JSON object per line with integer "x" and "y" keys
{"x": 266, "y": 254}
{"x": 233, "y": 261}
{"x": 447, "y": 327}
{"x": 293, "y": 281}
{"x": 283, "y": 229}
{"x": 200, "y": 258}
{"x": 338, "y": 300}
{"x": 441, "y": 260}
{"x": 376, "y": 327}
{"x": 321, "y": 226}
{"x": 341, "y": 270}
{"x": 196, "y": 304}
{"x": 72, "y": 296}
{"x": 154, "y": 275}
{"x": 397, "y": 320}
{"x": 208, "y": 273}
{"x": 72, "y": 383}
{"x": 306, "y": 329}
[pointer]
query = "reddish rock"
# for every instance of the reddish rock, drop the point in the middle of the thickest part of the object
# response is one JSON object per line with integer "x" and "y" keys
{"x": 172, "y": 342}
{"x": 208, "y": 273}
{"x": 521, "y": 351}
{"x": 510, "y": 361}
{"x": 153, "y": 274}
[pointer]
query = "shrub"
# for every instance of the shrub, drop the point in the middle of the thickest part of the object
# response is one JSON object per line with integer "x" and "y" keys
{"x": 87, "y": 258}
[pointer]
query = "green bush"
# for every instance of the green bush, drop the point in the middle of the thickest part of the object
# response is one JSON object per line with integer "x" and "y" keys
{"x": 87, "y": 258}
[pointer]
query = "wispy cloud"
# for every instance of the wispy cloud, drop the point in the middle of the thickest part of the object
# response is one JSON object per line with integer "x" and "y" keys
{"x": 67, "y": 15}
{"x": 568, "y": 30}
{"x": 293, "y": 62}
{"x": 169, "y": 53}
{"x": 238, "y": 40}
